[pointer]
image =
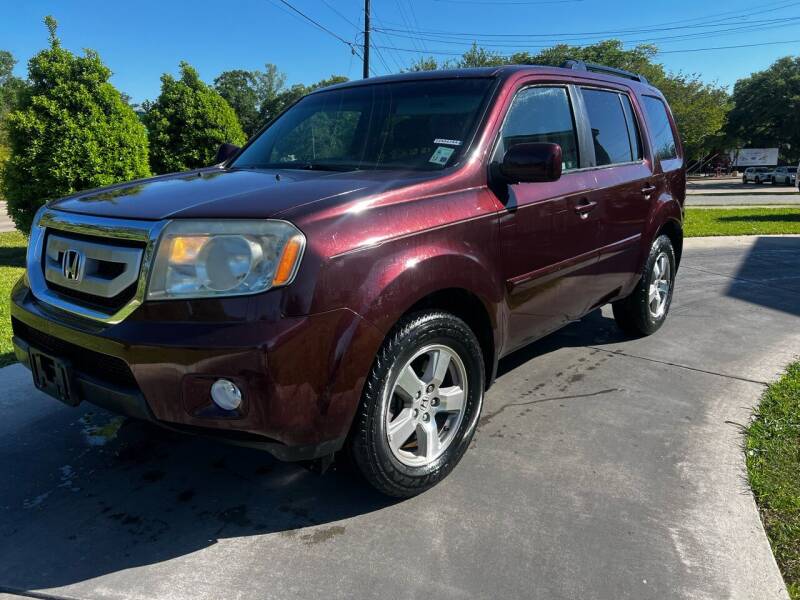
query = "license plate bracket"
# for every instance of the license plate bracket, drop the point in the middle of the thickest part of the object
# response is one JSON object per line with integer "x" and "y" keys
{"x": 53, "y": 376}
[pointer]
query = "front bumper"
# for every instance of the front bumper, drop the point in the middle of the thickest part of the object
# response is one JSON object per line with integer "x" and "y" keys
{"x": 301, "y": 377}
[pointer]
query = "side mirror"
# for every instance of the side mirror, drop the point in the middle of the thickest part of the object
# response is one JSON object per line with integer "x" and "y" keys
{"x": 225, "y": 152}
{"x": 532, "y": 162}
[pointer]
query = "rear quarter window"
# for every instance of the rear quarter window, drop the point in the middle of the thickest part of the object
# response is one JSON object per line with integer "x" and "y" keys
{"x": 664, "y": 145}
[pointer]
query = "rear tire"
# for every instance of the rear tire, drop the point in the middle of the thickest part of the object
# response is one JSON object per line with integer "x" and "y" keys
{"x": 646, "y": 309}
{"x": 420, "y": 406}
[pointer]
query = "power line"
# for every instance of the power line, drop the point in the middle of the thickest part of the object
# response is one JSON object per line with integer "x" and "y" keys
{"x": 733, "y": 47}
{"x": 749, "y": 27}
{"x": 729, "y": 47}
{"x": 317, "y": 24}
{"x": 680, "y": 24}
{"x": 528, "y": 2}
{"x": 321, "y": 27}
{"x": 358, "y": 31}
{"x": 396, "y": 57}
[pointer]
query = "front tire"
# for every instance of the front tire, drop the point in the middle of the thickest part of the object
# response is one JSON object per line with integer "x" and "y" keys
{"x": 420, "y": 406}
{"x": 645, "y": 310}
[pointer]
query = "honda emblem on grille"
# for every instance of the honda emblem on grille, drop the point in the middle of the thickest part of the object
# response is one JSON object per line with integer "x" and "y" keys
{"x": 72, "y": 265}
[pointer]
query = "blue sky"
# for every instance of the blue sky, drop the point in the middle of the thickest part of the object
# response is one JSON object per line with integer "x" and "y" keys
{"x": 140, "y": 40}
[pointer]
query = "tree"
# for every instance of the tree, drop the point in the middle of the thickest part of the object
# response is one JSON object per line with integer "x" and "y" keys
{"x": 701, "y": 112}
{"x": 766, "y": 110}
{"x": 10, "y": 89}
{"x": 10, "y": 86}
{"x": 281, "y": 98}
{"x": 427, "y": 63}
{"x": 269, "y": 83}
{"x": 188, "y": 122}
{"x": 700, "y": 108}
{"x": 480, "y": 57}
{"x": 608, "y": 52}
{"x": 241, "y": 90}
{"x": 70, "y": 131}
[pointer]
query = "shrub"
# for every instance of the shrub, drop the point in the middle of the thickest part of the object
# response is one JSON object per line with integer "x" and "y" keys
{"x": 70, "y": 131}
{"x": 188, "y": 122}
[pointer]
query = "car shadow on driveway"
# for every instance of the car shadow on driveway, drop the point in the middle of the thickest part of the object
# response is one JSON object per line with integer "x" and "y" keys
{"x": 79, "y": 505}
{"x": 770, "y": 265}
{"x": 71, "y": 510}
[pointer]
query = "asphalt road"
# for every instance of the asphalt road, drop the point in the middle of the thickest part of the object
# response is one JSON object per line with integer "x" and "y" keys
{"x": 6, "y": 224}
{"x": 603, "y": 468}
{"x": 732, "y": 192}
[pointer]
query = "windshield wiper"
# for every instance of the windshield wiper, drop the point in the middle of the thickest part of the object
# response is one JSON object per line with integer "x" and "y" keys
{"x": 315, "y": 166}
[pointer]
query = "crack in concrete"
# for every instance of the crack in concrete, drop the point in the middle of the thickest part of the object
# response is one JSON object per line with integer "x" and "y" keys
{"x": 679, "y": 366}
{"x": 486, "y": 418}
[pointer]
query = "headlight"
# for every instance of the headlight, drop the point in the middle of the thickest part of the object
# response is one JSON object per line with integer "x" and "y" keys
{"x": 198, "y": 259}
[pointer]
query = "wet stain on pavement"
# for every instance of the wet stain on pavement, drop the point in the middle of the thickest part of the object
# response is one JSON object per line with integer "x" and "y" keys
{"x": 322, "y": 535}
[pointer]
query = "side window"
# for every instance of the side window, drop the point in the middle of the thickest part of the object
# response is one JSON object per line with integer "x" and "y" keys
{"x": 633, "y": 127}
{"x": 611, "y": 127}
{"x": 541, "y": 114}
{"x": 665, "y": 147}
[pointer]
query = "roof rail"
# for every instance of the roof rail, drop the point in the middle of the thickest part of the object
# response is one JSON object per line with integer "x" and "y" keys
{"x": 579, "y": 65}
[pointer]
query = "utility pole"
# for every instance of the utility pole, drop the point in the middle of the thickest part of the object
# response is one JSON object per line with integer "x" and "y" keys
{"x": 366, "y": 39}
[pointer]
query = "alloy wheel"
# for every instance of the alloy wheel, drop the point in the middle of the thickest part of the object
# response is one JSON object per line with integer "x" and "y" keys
{"x": 426, "y": 405}
{"x": 660, "y": 283}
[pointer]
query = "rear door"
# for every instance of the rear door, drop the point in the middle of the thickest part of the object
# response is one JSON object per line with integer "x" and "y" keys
{"x": 624, "y": 190}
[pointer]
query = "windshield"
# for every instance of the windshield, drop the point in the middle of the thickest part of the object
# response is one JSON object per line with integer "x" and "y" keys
{"x": 420, "y": 125}
{"x": 792, "y": 169}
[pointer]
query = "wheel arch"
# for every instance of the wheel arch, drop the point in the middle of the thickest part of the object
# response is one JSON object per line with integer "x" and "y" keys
{"x": 469, "y": 308}
{"x": 674, "y": 231}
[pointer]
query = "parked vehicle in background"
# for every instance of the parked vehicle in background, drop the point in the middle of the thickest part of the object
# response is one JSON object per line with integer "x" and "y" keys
{"x": 785, "y": 176}
{"x": 351, "y": 277}
{"x": 757, "y": 175}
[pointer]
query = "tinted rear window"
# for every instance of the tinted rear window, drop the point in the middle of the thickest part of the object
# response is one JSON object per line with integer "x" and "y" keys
{"x": 610, "y": 128}
{"x": 664, "y": 144}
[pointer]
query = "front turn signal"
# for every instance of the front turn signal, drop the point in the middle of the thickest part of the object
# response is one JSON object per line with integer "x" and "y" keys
{"x": 289, "y": 260}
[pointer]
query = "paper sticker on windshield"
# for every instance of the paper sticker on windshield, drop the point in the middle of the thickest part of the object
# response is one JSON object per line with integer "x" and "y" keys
{"x": 441, "y": 155}
{"x": 447, "y": 142}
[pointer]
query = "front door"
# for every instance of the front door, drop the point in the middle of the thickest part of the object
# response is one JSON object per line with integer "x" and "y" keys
{"x": 548, "y": 230}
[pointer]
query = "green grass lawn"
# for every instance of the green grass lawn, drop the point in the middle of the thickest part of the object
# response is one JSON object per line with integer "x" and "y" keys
{"x": 741, "y": 221}
{"x": 773, "y": 465}
{"x": 12, "y": 262}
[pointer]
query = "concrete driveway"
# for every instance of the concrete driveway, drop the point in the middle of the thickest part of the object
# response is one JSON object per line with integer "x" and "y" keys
{"x": 603, "y": 468}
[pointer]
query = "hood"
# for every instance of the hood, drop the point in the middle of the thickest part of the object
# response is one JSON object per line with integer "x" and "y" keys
{"x": 231, "y": 194}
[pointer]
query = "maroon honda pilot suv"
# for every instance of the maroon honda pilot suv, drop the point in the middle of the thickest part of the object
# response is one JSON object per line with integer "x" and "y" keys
{"x": 349, "y": 279}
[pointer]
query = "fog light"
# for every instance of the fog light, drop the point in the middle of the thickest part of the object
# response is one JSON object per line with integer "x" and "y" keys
{"x": 226, "y": 395}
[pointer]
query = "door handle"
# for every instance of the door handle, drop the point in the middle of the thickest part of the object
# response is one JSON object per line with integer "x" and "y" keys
{"x": 648, "y": 190}
{"x": 584, "y": 207}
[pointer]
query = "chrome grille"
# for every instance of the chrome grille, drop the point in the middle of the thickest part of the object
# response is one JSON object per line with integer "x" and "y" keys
{"x": 91, "y": 268}
{"x": 94, "y": 267}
